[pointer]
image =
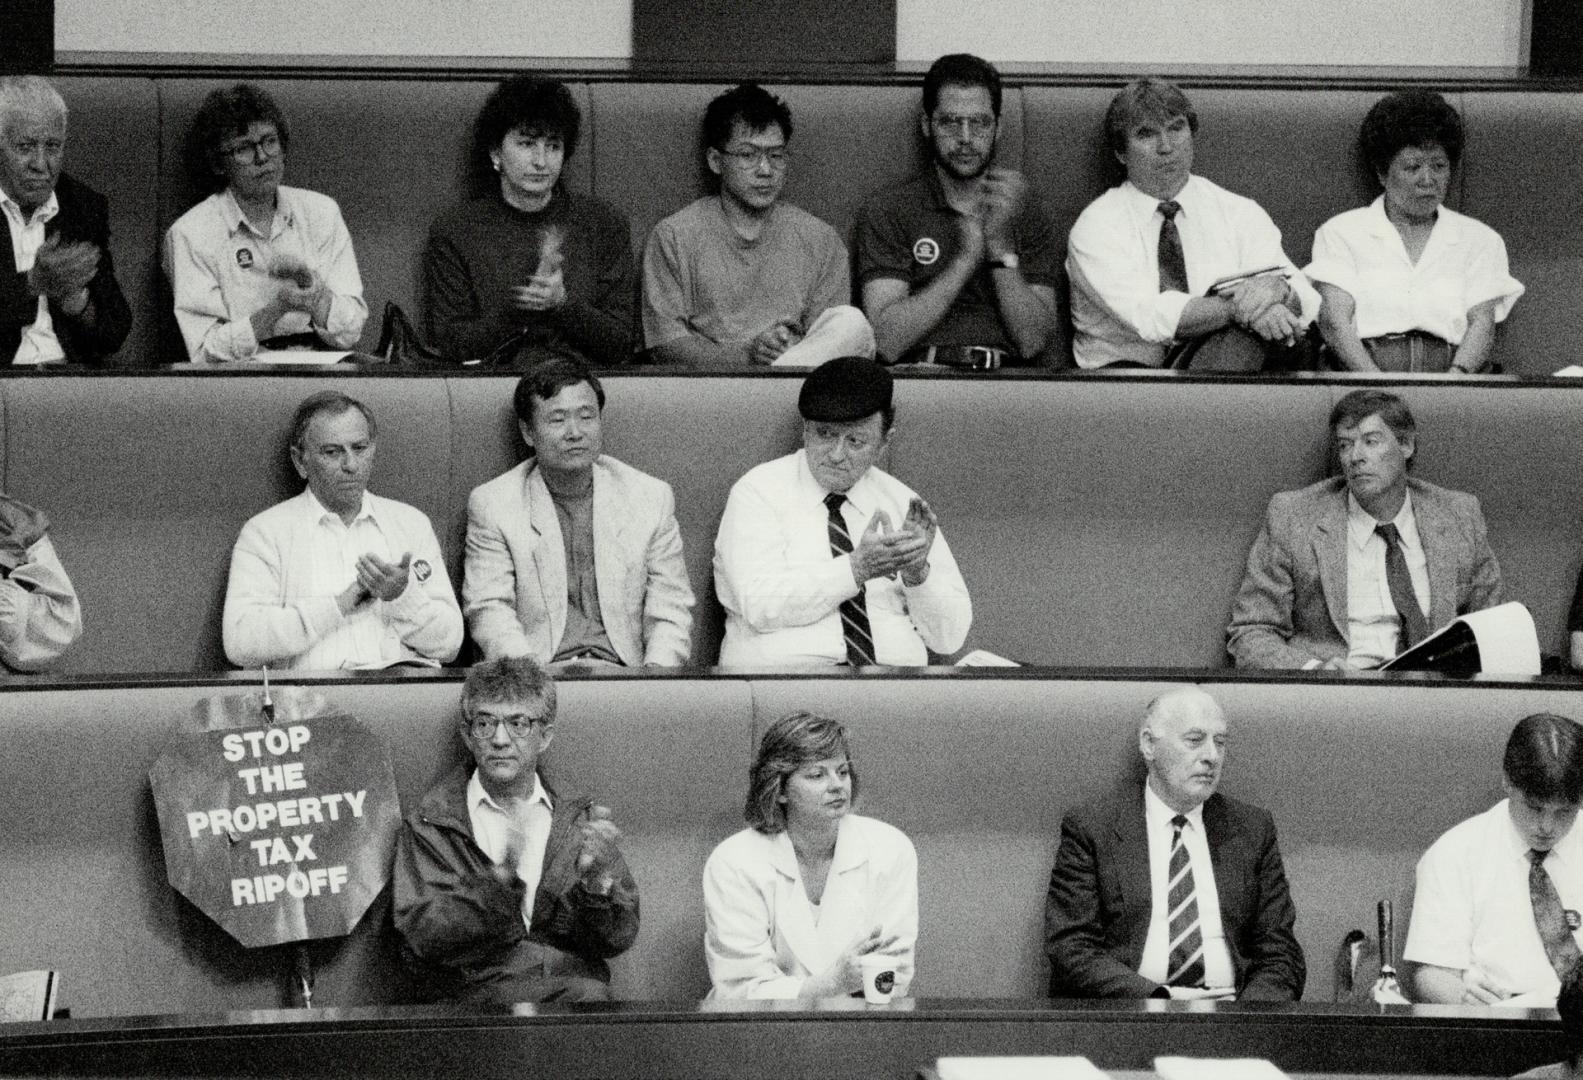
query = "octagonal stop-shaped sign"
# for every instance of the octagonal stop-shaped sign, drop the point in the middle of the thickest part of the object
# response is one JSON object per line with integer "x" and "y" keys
{"x": 280, "y": 829}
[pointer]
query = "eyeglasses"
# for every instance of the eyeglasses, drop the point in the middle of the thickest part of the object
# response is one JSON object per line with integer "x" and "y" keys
{"x": 777, "y": 157}
{"x": 247, "y": 151}
{"x": 827, "y": 436}
{"x": 484, "y": 727}
{"x": 972, "y": 125}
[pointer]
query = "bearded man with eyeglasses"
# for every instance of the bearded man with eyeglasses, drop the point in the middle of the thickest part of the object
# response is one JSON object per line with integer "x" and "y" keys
{"x": 742, "y": 277}
{"x": 504, "y": 891}
{"x": 957, "y": 266}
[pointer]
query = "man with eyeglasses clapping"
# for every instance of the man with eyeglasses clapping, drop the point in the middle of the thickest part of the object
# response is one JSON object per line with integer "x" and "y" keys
{"x": 742, "y": 277}
{"x": 505, "y": 891}
{"x": 957, "y": 265}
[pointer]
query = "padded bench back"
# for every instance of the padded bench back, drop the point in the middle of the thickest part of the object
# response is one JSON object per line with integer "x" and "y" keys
{"x": 1097, "y": 522}
{"x": 393, "y": 153}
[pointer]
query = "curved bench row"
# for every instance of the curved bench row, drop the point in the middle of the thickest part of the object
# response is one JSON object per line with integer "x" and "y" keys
{"x": 1097, "y": 522}
{"x": 1360, "y": 777}
{"x": 393, "y": 151}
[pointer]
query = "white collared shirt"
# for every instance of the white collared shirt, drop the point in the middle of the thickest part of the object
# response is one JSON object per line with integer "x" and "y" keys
{"x": 292, "y": 561}
{"x": 1373, "y": 625}
{"x": 495, "y": 828}
{"x": 1463, "y": 265}
{"x": 782, "y": 588}
{"x": 217, "y": 263}
{"x": 1118, "y": 310}
{"x": 1156, "y": 958}
{"x": 39, "y": 344}
{"x": 1471, "y": 907}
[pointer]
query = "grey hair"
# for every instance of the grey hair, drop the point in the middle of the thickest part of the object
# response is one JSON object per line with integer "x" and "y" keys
{"x": 22, "y": 94}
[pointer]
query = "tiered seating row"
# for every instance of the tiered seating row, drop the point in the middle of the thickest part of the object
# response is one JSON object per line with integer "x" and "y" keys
{"x": 1360, "y": 776}
{"x": 1098, "y": 523}
{"x": 393, "y": 151}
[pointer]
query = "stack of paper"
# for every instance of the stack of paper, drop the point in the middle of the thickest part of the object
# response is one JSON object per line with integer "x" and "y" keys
{"x": 1017, "y": 1068}
{"x": 27, "y": 995}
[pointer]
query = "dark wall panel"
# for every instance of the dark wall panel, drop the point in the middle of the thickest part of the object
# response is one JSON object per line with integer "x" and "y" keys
{"x": 764, "y": 32}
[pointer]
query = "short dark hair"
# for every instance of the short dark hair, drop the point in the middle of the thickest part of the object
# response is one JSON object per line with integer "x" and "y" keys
{"x": 525, "y": 103}
{"x": 327, "y": 403}
{"x": 1148, "y": 98}
{"x": 1544, "y": 758}
{"x": 1359, "y": 405}
{"x": 547, "y": 377}
{"x": 748, "y": 104}
{"x": 509, "y": 680}
{"x": 226, "y": 114}
{"x": 786, "y": 746}
{"x": 1569, "y": 1003}
{"x": 961, "y": 69}
{"x": 1420, "y": 118}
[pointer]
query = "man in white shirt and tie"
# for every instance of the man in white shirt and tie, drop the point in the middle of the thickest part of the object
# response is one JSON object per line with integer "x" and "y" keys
{"x": 823, "y": 557}
{"x": 1496, "y": 908}
{"x": 1144, "y": 256}
{"x": 1172, "y": 890}
{"x": 1353, "y": 570}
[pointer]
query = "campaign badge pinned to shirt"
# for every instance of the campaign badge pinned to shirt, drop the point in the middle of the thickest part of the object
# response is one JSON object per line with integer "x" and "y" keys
{"x": 244, "y": 258}
{"x": 1574, "y": 920}
{"x": 422, "y": 570}
{"x": 926, "y": 250}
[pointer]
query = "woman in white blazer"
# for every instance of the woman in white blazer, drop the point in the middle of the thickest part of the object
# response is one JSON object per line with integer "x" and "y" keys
{"x": 792, "y": 902}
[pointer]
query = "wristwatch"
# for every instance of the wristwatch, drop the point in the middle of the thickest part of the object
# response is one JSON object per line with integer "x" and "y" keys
{"x": 1008, "y": 261}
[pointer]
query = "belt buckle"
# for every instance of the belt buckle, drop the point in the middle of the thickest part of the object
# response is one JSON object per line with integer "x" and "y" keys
{"x": 982, "y": 358}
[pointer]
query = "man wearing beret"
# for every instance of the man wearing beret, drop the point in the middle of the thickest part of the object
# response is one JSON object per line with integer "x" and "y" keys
{"x": 824, "y": 558}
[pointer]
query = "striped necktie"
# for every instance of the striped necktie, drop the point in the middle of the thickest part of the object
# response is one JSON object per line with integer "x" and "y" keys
{"x": 1173, "y": 264}
{"x": 1399, "y": 580}
{"x": 1186, "y": 964}
{"x": 1550, "y": 917}
{"x": 854, "y": 612}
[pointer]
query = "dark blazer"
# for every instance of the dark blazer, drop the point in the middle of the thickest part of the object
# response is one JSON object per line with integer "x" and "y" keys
{"x": 1096, "y": 914}
{"x": 1292, "y": 604}
{"x": 103, "y": 325}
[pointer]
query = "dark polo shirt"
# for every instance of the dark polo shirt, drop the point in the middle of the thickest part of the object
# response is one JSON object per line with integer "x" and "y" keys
{"x": 909, "y": 232}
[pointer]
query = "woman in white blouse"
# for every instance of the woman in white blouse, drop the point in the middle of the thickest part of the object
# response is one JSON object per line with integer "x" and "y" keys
{"x": 1407, "y": 283}
{"x": 793, "y": 902}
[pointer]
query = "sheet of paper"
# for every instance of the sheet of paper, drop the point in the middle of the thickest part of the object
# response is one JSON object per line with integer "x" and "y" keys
{"x": 985, "y": 658}
{"x": 1534, "y": 999}
{"x": 1018, "y": 1068}
{"x": 27, "y": 996}
{"x": 1185, "y": 1068}
{"x": 299, "y": 356}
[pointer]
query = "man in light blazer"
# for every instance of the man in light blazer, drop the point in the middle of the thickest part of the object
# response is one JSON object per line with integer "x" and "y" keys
{"x": 573, "y": 555}
{"x": 1350, "y": 571}
{"x": 1169, "y": 889}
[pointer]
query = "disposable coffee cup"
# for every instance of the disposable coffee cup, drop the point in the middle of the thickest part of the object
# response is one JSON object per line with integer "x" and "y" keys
{"x": 879, "y": 977}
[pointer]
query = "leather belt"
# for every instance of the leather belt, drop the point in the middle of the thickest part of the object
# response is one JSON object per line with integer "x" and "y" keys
{"x": 1413, "y": 351}
{"x": 966, "y": 357}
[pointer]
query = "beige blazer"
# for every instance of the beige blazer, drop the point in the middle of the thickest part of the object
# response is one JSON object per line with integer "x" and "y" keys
{"x": 514, "y": 579}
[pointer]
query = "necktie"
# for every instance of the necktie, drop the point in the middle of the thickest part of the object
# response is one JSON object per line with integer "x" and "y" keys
{"x": 1550, "y": 917}
{"x": 1173, "y": 265}
{"x": 1186, "y": 965}
{"x": 1400, "y": 582}
{"x": 854, "y": 612}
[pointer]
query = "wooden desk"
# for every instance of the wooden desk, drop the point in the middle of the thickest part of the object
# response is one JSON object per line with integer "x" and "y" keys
{"x": 659, "y": 1041}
